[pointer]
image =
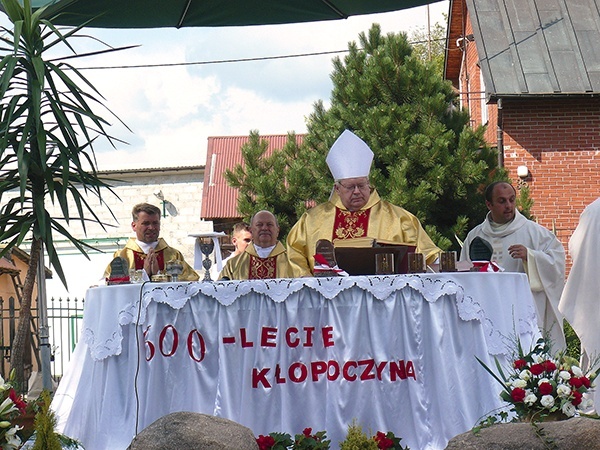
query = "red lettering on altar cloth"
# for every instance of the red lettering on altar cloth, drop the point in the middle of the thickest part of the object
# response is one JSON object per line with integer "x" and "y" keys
{"x": 315, "y": 371}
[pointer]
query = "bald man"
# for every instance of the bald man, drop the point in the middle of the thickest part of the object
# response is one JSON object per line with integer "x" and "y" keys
{"x": 265, "y": 257}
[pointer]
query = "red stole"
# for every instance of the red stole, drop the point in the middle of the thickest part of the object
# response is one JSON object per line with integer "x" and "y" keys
{"x": 350, "y": 224}
{"x": 262, "y": 268}
{"x": 139, "y": 258}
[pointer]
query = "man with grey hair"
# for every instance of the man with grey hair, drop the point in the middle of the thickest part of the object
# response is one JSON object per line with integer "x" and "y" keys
{"x": 354, "y": 210}
{"x": 265, "y": 257}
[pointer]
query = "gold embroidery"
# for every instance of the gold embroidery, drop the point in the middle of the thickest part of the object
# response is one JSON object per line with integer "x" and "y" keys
{"x": 350, "y": 225}
{"x": 261, "y": 269}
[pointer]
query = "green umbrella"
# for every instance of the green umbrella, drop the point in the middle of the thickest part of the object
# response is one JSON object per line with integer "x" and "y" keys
{"x": 211, "y": 13}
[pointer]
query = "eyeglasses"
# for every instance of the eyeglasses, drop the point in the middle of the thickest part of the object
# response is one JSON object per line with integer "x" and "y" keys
{"x": 247, "y": 239}
{"x": 359, "y": 186}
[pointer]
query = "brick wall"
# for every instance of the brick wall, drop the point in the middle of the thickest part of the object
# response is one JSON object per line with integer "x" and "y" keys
{"x": 559, "y": 142}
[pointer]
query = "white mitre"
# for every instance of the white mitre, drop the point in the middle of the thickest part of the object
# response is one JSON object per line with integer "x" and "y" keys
{"x": 349, "y": 157}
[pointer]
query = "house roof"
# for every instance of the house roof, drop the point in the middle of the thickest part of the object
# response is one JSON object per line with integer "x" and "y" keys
{"x": 534, "y": 48}
{"x": 455, "y": 32}
{"x": 151, "y": 170}
{"x": 7, "y": 266}
{"x": 219, "y": 200}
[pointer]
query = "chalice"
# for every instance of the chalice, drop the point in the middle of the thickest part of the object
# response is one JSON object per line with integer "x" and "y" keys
{"x": 206, "y": 247}
{"x": 174, "y": 268}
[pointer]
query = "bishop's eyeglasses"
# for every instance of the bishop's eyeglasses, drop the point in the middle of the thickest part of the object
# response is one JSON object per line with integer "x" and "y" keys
{"x": 363, "y": 187}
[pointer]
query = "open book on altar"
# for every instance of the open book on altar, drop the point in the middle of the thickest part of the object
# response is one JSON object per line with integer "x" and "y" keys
{"x": 358, "y": 256}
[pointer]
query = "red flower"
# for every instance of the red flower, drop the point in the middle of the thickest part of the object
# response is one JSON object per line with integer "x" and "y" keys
{"x": 518, "y": 394}
{"x": 577, "y": 398}
{"x": 520, "y": 364}
{"x": 576, "y": 382}
{"x": 383, "y": 442}
{"x": 17, "y": 400}
{"x": 549, "y": 366}
{"x": 537, "y": 369}
{"x": 265, "y": 442}
{"x": 586, "y": 382}
{"x": 546, "y": 388}
{"x": 307, "y": 432}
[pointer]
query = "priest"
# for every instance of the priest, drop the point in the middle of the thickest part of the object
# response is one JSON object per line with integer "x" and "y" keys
{"x": 147, "y": 250}
{"x": 354, "y": 209}
{"x": 579, "y": 301}
{"x": 521, "y": 245}
{"x": 265, "y": 257}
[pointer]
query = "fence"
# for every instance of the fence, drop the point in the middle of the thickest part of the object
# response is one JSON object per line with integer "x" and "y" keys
{"x": 64, "y": 321}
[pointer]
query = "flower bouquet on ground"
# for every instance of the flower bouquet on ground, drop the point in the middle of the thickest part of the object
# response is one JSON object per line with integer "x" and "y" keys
{"x": 12, "y": 406}
{"x": 541, "y": 387}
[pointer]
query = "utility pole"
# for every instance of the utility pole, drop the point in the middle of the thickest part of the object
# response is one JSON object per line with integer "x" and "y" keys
{"x": 43, "y": 323}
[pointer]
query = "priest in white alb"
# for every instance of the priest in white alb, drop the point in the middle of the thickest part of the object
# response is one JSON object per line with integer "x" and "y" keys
{"x": 521, "y": 245}
{"x": 580, "y": 299}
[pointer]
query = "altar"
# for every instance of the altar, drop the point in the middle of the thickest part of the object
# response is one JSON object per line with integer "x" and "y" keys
{"x": 393, "y": 353}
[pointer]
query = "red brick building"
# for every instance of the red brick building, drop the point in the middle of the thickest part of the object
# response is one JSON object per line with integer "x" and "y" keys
{"x": 531, "y": 72}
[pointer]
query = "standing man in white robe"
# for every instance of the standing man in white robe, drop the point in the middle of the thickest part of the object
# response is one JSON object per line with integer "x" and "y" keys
{"x": 580, "y": 300}
{"x": 521, "y": 245}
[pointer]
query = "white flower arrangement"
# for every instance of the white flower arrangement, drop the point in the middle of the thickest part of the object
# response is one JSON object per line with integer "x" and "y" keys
{"x": 539, "y": 384}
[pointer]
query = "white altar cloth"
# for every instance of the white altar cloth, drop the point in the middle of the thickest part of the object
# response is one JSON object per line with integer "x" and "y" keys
{"x": 395, "y": 353}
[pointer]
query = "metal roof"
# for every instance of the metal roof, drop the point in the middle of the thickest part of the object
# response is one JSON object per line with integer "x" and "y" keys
{"x": 148, "y": 170}
{"x": 543, "y": 47}
{"x": 219, "y": 200}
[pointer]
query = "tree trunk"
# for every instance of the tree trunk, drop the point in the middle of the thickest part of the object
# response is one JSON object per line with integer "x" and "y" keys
{"x": 19, "y": 344}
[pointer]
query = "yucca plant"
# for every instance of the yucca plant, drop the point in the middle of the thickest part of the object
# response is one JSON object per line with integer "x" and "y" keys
{"x": 47, "y": 130}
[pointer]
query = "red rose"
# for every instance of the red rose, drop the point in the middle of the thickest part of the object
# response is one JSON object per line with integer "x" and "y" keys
{"x": 383, "y": 442}
{"x": 549, "y": 366}
{"x": 537, "y": 369}
{"x": 546, "y": 388}
{"x": 520, "y": 364}
{"x": 307, "y": 432}
{"x": 576, "y": 398}
{"x": 265, "y": 442}
{"x": 518, "y": 395}
{"x": 576, "y": 382}
{"x": 586, "y": 382}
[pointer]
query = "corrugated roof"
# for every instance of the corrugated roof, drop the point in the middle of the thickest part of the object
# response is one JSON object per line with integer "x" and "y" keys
{"x": 545, "y": 47}
{"x": 219, "y": 200}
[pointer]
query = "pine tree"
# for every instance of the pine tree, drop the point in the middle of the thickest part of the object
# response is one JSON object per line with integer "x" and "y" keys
{"x": 268, "y": 179}
{"x": 427, "y": 158}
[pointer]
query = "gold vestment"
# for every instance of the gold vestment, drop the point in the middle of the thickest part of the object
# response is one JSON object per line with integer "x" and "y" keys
{"x": 385, "y": 222}
{"x": 133, "y": 253}
{"x": 244, "y": 265}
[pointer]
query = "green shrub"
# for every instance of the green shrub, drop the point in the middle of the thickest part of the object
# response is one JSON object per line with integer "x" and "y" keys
{"x": 356, "y": 439}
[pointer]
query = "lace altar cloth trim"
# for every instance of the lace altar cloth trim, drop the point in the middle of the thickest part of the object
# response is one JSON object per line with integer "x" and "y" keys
{"x": 226, "y": 292}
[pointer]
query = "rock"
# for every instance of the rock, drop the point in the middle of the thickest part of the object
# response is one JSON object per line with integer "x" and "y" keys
{"x": 573, "y": 434}
{"x": 194, "y": 431}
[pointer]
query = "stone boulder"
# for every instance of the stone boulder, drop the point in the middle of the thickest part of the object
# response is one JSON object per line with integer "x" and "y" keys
{"x": 573, "y": 434}
{"x": 194, "y": 431}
